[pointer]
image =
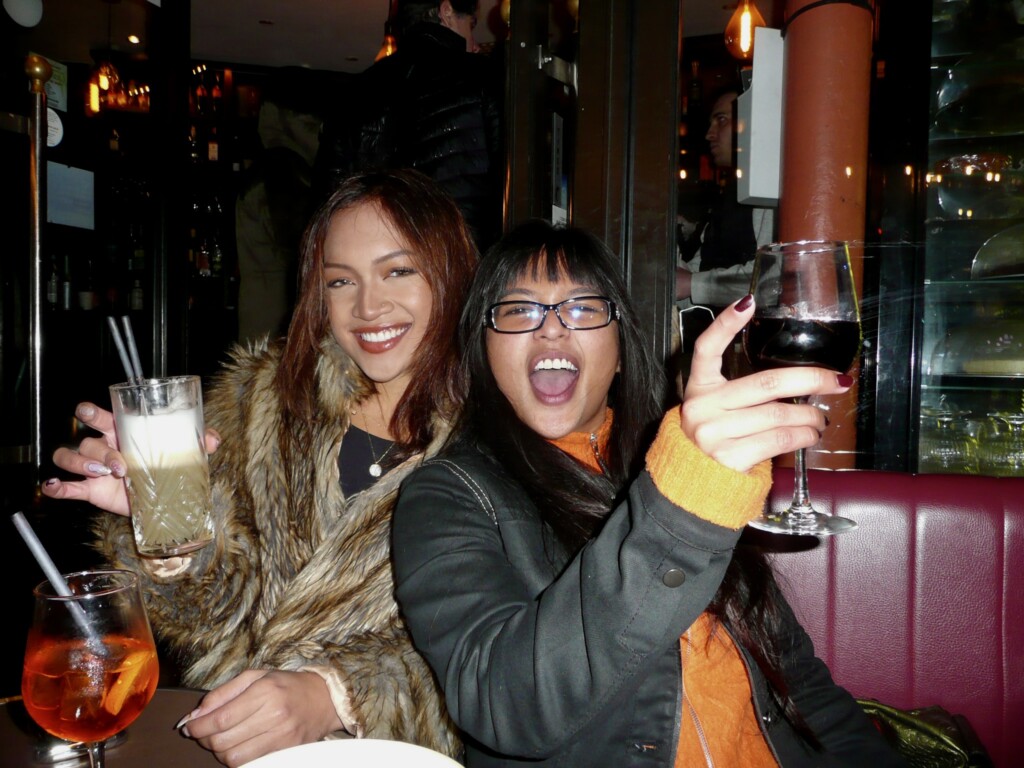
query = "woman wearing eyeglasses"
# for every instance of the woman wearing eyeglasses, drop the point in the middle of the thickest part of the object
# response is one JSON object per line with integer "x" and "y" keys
{"x": 581, "y": 597}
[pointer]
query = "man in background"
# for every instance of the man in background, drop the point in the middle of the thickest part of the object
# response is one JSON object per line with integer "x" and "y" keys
{"x": 433, "y": 106}
{"x": 720, "y": 270}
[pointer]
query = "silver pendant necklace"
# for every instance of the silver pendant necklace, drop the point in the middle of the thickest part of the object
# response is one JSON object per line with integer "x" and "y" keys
{"x": 375, "y": 469}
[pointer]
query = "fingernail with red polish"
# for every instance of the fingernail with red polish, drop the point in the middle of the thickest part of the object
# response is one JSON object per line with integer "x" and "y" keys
{"x": 843, "y": 380}
{"x": 744, "y": 304}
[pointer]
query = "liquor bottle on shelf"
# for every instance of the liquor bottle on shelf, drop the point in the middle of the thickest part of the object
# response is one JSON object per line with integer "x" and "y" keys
{"x": 212, "y": 145}
{"x": 53, "y": 285}
{"x": 135, "y": 298}
{"x": 203, "y": 258}
{"x": 88, "y": 298}
{"x": 67, "y": 290}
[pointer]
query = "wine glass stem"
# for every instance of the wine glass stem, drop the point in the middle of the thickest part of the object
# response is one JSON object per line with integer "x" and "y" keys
{"x": 95, "y": 749}
{"x": 801, "y": 497}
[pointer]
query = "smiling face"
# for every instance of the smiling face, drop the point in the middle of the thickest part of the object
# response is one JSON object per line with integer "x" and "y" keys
{"x": 556, "y": 380}
{"x": 378, "y": 303}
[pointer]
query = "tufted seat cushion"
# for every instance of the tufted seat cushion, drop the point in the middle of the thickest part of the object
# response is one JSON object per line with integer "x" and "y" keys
{"x": 922, "y": 604}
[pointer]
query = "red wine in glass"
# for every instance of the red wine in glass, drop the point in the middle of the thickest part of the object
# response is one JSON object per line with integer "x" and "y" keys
{"x": 806, "y": 315}
{"x": 784, "y": 342}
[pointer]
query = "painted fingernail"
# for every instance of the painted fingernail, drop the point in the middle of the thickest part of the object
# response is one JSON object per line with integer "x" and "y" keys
{"x": 182, "y": 725}
{"x": 51, "y": 482}
{"x": 98, "y": 469}
{"x": 85, "y": 412}
{"x": 744, "y": 304}
{"x": 117, "y": 469}
{"x": 844, "y": 380}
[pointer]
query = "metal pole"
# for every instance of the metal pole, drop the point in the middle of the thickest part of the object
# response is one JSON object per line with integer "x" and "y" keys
{"x": 38, "y": 71}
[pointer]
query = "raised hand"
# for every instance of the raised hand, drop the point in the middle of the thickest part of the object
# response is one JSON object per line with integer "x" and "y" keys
{"x": 741, "y": 423}
{"x": 99, "y": 462}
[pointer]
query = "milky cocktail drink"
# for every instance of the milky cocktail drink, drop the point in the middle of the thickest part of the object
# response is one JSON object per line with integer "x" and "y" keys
{"x": 160, "y": 434}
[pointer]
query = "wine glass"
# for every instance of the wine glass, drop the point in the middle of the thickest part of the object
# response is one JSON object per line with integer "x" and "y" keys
{"x": 90, "y": 660}
{"x": 806, "y": 315}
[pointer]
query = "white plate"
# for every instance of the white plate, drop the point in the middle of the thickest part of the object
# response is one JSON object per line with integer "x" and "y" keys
{"x": 354, "y": 753}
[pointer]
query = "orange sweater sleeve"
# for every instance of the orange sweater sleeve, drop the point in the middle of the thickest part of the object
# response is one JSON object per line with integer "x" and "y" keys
{"x": 691, "y": 479}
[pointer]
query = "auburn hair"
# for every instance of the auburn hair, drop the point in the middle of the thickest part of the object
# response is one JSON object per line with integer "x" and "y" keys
{"x": 432, "y": 228}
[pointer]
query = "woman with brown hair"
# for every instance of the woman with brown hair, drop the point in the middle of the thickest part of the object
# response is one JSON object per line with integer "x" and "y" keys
{"x": 289, "y": 617}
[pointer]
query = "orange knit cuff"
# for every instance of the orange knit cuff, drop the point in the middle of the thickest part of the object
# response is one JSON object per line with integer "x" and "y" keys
{"x": 691, "y": 479}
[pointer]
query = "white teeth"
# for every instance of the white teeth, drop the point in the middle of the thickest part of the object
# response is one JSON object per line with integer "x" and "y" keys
{"x": 380, "y": 336}
{"x": 555, "y": 365}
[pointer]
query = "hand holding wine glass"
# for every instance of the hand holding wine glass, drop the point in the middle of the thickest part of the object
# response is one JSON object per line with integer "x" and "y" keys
{"x": 806, "y": 315}
{"x": 90, "y": 660}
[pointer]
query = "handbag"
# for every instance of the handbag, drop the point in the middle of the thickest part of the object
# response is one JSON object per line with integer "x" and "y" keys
{"x": 929, "y": 737}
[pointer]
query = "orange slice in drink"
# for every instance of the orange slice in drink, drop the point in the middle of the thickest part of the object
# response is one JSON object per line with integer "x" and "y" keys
{"x": 136, "y": 663}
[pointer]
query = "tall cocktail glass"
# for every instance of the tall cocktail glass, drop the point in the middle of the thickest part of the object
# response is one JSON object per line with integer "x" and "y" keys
{"x": 160, "y": 434}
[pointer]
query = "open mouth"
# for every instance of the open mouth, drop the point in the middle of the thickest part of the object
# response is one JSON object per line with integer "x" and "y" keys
{"x": 377, "y": 340}
{"x": 553, "y": 379}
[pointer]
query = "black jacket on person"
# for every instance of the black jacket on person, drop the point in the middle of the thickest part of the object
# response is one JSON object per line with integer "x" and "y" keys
{"x": 431, "y": 106}
{"x": 552, "y": 660}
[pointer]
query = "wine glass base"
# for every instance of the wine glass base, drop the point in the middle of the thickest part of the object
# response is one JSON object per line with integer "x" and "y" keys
{"x": 804, "y": 523}
{"x": 54, "y": 750}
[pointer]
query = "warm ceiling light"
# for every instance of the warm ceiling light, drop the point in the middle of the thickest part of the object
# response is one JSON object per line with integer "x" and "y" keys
{"x": 390, "y": 44}
{"x": 134, "y": 39}
{"x": 739, "y": 32}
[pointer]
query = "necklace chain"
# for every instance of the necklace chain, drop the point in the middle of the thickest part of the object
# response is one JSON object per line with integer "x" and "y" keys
{"x": 375, "y": 469}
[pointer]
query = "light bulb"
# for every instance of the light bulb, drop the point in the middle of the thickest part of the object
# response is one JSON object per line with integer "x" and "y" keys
{"x": 27, "y": 13}
{"x": 739, "y": 32}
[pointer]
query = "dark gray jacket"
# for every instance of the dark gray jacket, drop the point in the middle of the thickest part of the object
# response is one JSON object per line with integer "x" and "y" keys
{"x": 558, "y": 661}
{"x": 433, "y": 107}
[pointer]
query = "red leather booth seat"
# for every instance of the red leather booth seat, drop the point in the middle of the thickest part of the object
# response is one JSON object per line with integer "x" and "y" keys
{"x": 922, "y": 604}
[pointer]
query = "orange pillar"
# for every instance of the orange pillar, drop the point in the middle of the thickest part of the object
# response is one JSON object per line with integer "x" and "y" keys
{"x": 825, "y": 153}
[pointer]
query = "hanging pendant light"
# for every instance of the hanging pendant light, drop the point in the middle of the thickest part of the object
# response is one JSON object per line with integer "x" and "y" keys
{"x": 105, "y": 80}
{"x": 739, "y": 32}
{"x": 390, "y": 44}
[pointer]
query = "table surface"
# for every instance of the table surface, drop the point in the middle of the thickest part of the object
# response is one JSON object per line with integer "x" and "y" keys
{"x": 150, "y": 741}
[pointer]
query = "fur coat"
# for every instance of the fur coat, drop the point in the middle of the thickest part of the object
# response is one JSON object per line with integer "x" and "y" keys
{"x": 297, "y": 577}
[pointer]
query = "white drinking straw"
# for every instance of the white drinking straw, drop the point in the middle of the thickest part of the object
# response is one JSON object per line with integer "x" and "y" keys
{"x": 119, "y": 343}
{"x": 133, "y": 351}
{"x": 53, "y": 575}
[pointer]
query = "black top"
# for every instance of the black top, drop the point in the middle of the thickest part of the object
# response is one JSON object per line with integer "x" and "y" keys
{"x": 360, "y": 449}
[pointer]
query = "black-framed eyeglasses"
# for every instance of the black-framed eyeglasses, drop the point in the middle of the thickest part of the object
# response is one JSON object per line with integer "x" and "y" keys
{"x": 583, "y": 313}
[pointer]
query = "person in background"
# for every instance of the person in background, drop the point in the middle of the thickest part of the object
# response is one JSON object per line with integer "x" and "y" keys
{"x": 719, "y": 272}
{"x": 583, "y": 598}
{"x": 289, "y": 615}
{"x": 274, "y": 203}
{"x": 435, "y": 106}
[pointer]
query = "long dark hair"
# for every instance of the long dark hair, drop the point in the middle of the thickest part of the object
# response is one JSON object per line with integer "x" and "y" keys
{"x": 443, "y": 250}
{"x": 572, "y": 499}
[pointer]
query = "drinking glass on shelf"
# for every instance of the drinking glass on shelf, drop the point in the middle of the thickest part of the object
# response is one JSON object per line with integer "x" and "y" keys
{"x": 946, "y": 446}
{"x": 1001, "y": 445}
{"x": 806, "y": 315}
{"x": 90, "y": 660}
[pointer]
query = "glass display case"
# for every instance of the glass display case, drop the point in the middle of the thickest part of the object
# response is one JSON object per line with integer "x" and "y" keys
{"x": 963, "y": 287}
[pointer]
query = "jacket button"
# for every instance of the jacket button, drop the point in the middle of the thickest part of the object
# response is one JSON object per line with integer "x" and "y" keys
{"x": 673, "y": 577}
